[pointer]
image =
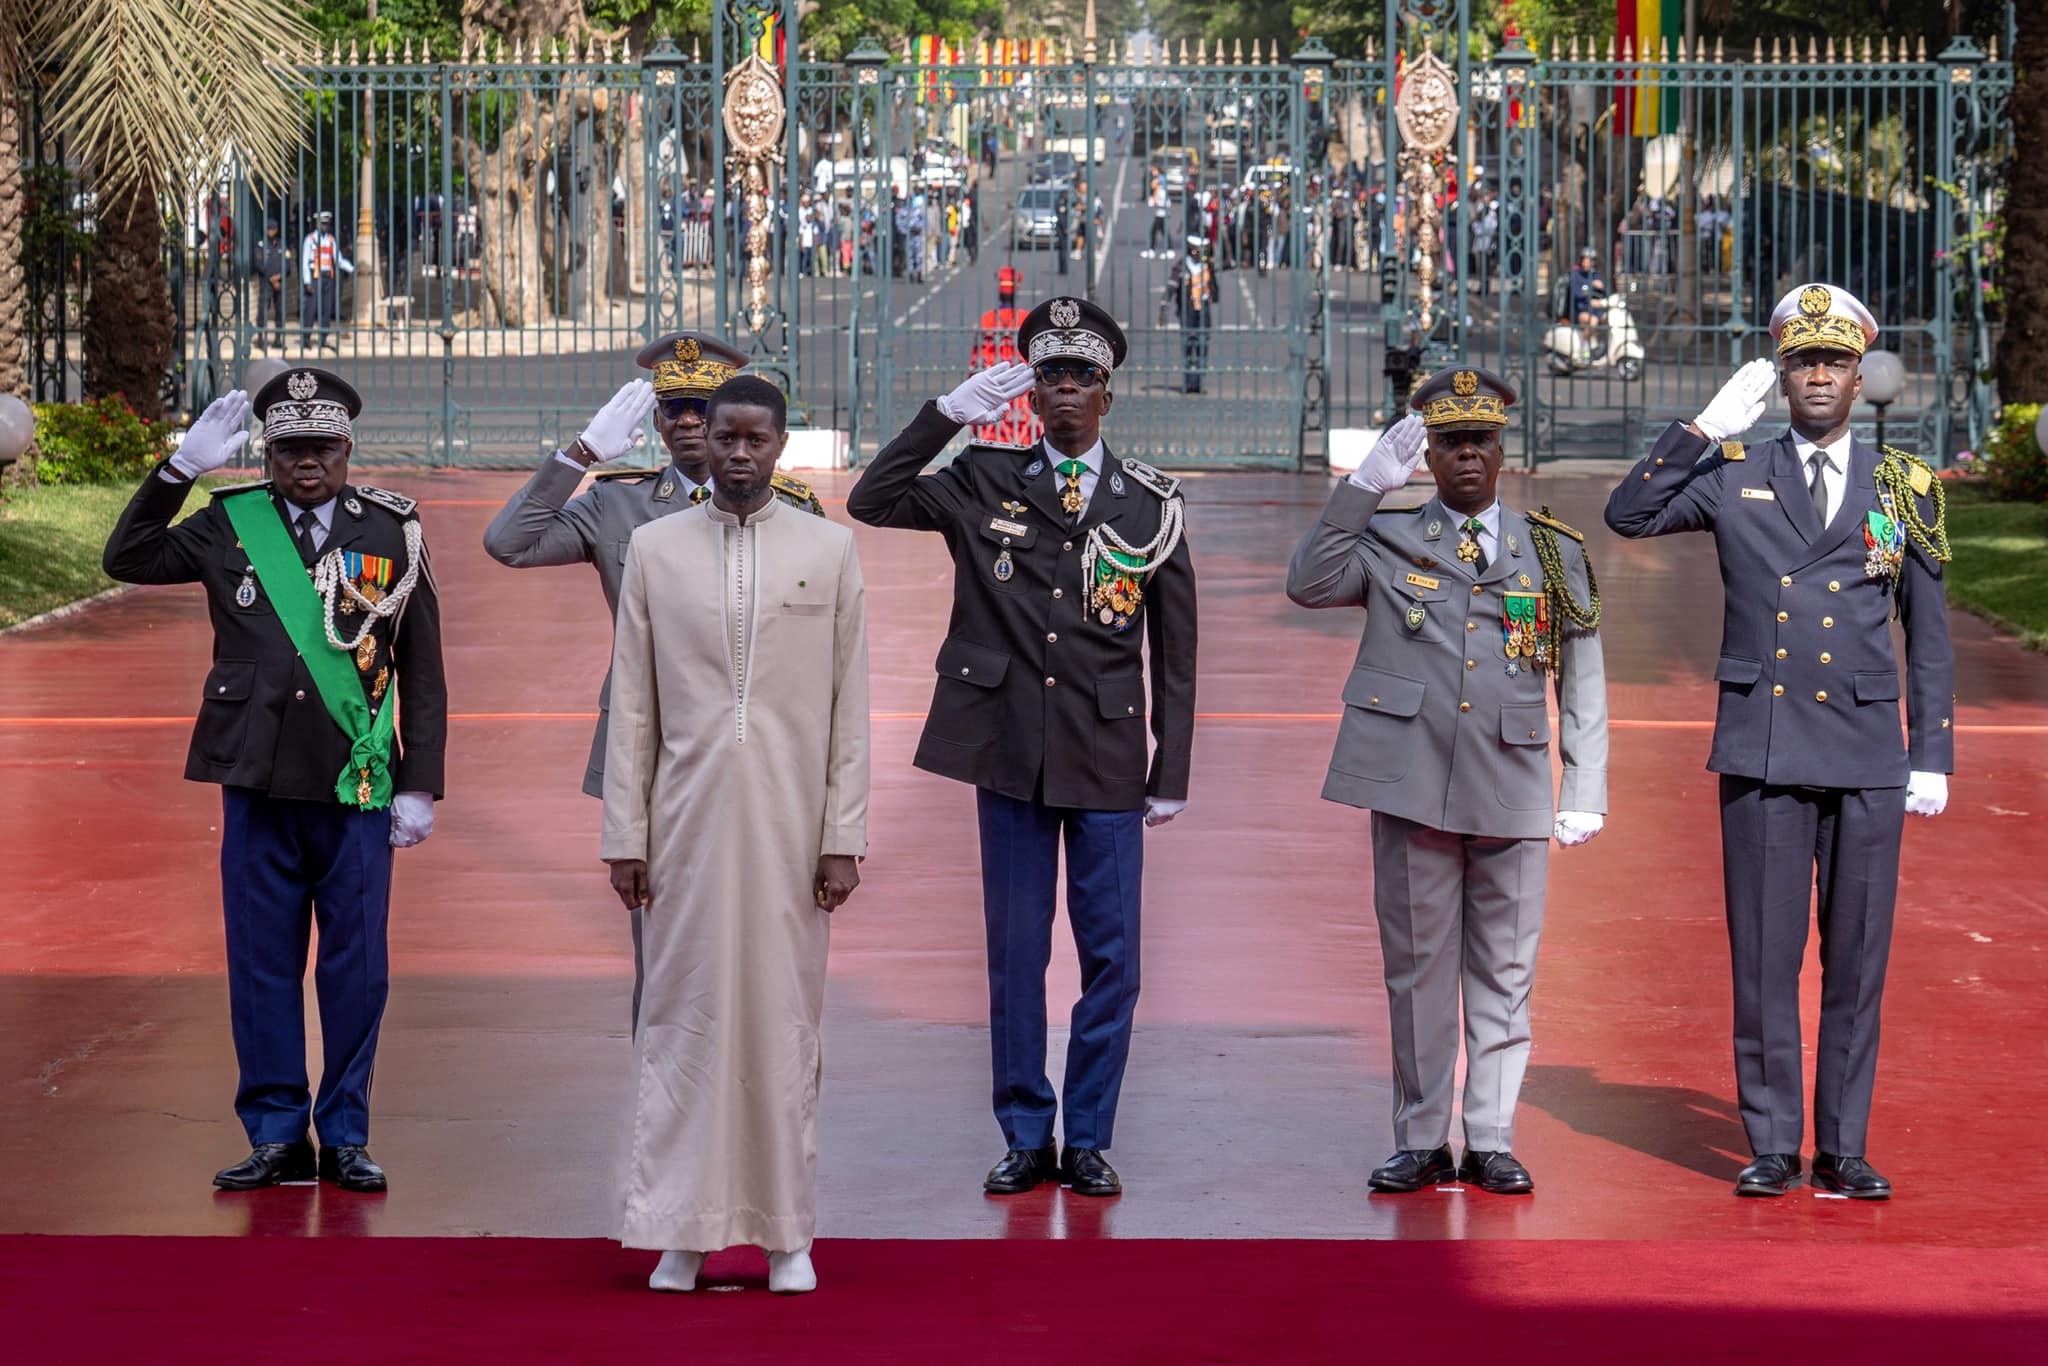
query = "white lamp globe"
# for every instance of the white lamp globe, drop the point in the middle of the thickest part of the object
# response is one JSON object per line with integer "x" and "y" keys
{"x": 17, "y": 428}
{"x": 1884, "y": 377}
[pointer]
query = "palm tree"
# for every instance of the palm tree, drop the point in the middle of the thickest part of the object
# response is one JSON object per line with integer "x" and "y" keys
{"x": 155, "y": 98}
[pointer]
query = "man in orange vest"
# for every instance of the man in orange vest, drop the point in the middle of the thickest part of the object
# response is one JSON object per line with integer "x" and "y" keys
{"x": 996, "y": 344}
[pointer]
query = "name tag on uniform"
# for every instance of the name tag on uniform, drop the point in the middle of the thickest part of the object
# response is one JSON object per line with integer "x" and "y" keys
{"x": 1424, "y": 581}
{"x": 1764, "y": 494}
{"x": 1008, "y": 528}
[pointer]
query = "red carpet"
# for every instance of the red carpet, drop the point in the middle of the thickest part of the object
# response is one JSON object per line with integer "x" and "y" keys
{"x": 313, "y": 1300}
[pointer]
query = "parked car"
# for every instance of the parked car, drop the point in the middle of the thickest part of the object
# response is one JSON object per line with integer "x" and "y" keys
{"x": 1054, "y": 168}
{"x": 1179, "y": 167}
{"x": 1035, "y": 223}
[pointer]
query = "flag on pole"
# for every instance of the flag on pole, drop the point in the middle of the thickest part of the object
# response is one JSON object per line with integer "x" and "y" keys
{"x": 1643, "y": 26}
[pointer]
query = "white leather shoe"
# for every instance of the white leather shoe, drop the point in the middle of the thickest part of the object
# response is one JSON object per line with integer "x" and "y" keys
{"x": 677, "y": 1271}
{"x": 791, "y": 1273}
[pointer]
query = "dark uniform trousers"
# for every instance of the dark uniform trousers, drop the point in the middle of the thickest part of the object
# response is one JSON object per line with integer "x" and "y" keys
{"x": 1806, "y": 740}
{"x": 1042, "y": 708}
{"x": 292, "y": 856}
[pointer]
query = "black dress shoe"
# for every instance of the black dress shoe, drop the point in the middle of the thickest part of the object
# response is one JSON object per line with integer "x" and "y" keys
{"x": 1495, "y": 1173}
{"x": 1413, "y": 1168}
{"x": 348, "y": 1166}
{"x": 1086, "y": 1171}
{"x": 1769, "y": 1174}
{"x": 1022, "y": 1169}
{"x": 267, "y": 1165}
{"x": 1850, "y": 1176}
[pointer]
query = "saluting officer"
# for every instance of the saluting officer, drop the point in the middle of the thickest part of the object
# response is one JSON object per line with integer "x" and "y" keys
{"x": 1065, "y": 560}
{"x": 1822, "y": 541}
{"x": 1474, "y": 612}
{"x": 324, "y": 621}
{"x": 547, "y": 522}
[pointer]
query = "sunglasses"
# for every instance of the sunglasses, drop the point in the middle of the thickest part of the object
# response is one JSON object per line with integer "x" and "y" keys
{"x": 673, "y": 408}
{"x": 1080, "y": 372}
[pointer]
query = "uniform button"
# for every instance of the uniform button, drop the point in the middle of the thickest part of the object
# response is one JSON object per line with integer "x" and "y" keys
{"x": 1777, "y": 690}
{"x": 1821, "y": 696}
{"x": 222, "y": 689}
{"x": 1781, "y": 654}
{"x": 1477, "y": 589}
{"x": 963, "y": 670}
{"x": 1646, "y": 474}
{"x": 1834, "y": 586}
{"x": 1783, "y": 617}
{"x": 1376, "y": 702}
{"x": 1471, "y": 664}
{"x": 1057, "y": 593}
{"x": 1130, "y": 711}
{"x": 1827, "y": 622}
{"x": 1067, "y": 546}
{"x": 1532, "y": 734}
{"x": 1471, "y": 625}
{"x": 298, "y": 696}
{"x": 1785, "y": 582}
{"x": 1659, "y": 462}
{"x": 1826, "y": 658}
{"x": 1464, "y": 706}
{"x": 1050, "y": 681}
{"x": 1052, "y": 637}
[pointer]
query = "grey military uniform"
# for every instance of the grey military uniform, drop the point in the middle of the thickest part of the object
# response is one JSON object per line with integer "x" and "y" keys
{"x": 1451, "y": 752}
{"x": 543, "y": 525}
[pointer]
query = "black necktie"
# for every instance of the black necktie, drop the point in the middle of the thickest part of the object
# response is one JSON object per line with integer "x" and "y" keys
{"x": 1818, "y": 489}
{"x": 309, "y": 528}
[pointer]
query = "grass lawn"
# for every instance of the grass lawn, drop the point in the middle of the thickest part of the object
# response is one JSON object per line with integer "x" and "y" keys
{"x": 2000, "y": 570}
{"x": 50, "y": 544}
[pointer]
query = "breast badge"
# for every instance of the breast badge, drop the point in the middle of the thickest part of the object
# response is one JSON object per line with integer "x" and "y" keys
{"x": 1003, "y": 568}
{"x": 1416, "y": 616}
{"x": 245, "y": 593}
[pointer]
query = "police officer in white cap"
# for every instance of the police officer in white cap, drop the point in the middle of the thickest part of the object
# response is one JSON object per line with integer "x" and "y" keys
{"x": 1823, "y": 541}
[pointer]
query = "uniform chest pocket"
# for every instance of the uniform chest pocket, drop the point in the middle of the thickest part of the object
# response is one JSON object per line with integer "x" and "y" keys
{"x": 793, "y": 607}
{"x": 1425, "y": 608}
{"x": 1002, "y": 547}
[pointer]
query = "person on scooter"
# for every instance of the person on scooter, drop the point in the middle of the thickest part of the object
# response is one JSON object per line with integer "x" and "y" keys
{"x": 1589, "y": 295}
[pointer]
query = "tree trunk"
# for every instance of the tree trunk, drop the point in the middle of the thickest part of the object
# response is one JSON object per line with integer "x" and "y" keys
{"x": 2023, "y": 346}
{"x": 129, "y": 327}
{"x": 13, "y": 280}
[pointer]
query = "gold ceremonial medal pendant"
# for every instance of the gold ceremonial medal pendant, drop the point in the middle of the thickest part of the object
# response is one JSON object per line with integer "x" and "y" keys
{"x": 366, "y": 654}
{"x": 363, "y": 793}
{"x": 1107, "y": 615}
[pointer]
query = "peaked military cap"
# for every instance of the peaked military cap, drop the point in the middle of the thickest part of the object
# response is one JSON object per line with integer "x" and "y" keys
{"x": 1819, "y": 315}
{"x": 690, "y": 363}
{"x": 1463, "y": 396}
{"x": 1066, "y": 328}
{"x": 305, "y": 401}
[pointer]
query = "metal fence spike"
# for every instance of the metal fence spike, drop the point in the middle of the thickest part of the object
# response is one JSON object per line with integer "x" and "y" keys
{"x": 1237, "y": 52}
{"x": 1628, "y": 49}
{"x": 352, "y": 61}
{"x": 408, "y": 52}
{"x": 1994, "y": 47}
{"x": 1920, "y": 49}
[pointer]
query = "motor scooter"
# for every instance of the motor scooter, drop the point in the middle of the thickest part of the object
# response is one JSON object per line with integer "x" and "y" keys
{"x": 1565, "y": 348}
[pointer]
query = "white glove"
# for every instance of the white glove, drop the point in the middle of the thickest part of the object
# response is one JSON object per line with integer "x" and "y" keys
{"x": 1393, "y": 457}
{"x": 618, "y": 428}
{"x": 985, "y": 394}
{"x": 1740, "y": 403}
{"x": 1160, "y": 810}
{"x": 412, "y": 818}
{"x": 213, "y": 440}
{"x": 1576, "y": 827}
{"x": 1927, "y": 793}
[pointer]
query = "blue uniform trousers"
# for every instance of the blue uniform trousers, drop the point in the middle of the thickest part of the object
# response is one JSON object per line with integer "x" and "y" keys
{"x": 284, "y": 865}
{"x": 1020, "y": 859}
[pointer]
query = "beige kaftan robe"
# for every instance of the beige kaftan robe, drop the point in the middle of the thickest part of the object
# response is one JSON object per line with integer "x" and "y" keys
{"x": 738, "y": 754}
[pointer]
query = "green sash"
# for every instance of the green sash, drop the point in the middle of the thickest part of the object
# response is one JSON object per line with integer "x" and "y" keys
{"x": 366, "y": 782}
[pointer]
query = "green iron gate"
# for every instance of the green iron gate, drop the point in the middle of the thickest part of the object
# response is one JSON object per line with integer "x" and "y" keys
{"x": 520, "y": 221}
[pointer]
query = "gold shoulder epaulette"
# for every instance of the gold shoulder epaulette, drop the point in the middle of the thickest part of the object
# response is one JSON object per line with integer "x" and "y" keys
{"x": 1545, "y": 519}
{"x": 1919, "y": 474}
{"x": 223, "y": 490}
{"x": 625, "y": 474}
{"x": 784, "y": 483}
{"x": 385, "y": 498}
{"x": 1732, "y": 450}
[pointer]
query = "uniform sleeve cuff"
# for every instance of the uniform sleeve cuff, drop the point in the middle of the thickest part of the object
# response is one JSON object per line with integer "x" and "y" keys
{"x": 622, "y": 843}
{"x": 1583, "y": 789}
{"x": 847, "y": 841}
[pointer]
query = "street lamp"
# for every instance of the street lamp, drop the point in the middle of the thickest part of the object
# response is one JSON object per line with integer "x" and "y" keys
{"x": 1884, "y": 379}
{"x": 2040, "y": 431}
{"x": 17, "y": 429}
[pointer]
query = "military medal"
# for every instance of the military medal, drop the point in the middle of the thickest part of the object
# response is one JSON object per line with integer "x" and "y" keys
{"x": 1884, "y": 540}
{"x": 1468, "y": 544}
{"x": 1004, "y": 567}
{"x": 1070, "y": 495}
{"x": 1525, "y": 631}
{"x": 1522, "y": 579}
{"x": 382, "y": 682}
{"x": 366, "y": 653}
{"x": 245, "y": 593}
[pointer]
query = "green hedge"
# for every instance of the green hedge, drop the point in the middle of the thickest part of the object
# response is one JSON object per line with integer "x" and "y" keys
{"x": 96, "y": 442}
{"x": 2015, "y": 469}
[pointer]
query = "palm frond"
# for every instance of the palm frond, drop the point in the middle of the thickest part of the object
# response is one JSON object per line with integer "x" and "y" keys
{"x": 166, "y": 92}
